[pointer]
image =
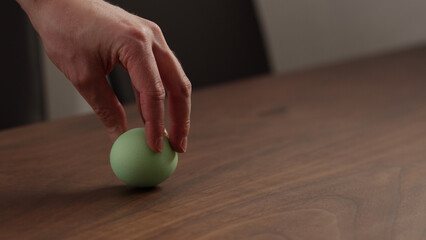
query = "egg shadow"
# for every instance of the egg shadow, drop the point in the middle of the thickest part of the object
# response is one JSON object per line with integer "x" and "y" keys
{"x": 39, "y": 210}
{"x": 129, "y": 191}
{"x": 109, "y": 194}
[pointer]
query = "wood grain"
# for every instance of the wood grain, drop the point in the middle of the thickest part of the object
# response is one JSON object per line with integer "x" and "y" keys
{"x": 337, "y": 152}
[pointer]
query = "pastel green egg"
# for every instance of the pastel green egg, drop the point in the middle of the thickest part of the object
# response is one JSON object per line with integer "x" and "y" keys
{"x": 134, "y": 163}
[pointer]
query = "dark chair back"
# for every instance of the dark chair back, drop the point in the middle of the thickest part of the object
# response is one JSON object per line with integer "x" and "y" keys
{"x": 21, "y": 95}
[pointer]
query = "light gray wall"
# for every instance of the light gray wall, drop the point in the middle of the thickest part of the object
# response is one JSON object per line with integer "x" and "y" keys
{"x": 304, "y": 33}
{"x": 299, "y": 34}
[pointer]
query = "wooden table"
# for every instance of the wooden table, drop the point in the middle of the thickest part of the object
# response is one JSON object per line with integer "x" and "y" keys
{"x": 337, "y": 152}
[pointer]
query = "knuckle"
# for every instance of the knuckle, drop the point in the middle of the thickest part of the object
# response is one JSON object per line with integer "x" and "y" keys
{"x": 155, "y": 29}
{"x": 158, "y": 37}
{"x": 130, "y": 52}
{"x": 157, "y": 126}
{"x": 186, "y": 125}
{"x": 157, "y": 93}
{"x": 186, "y": 88}
{"x": 144, "y": 32}
{"x": 138, "y": 34}
{"x": 106, "y": 115}
{"x": 182, "y": 127}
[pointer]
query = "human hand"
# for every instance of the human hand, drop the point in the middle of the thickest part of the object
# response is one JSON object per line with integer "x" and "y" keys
{"x": 85, "y": 39}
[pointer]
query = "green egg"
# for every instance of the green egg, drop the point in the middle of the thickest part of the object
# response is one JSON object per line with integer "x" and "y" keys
{"x": 134, "y": 163}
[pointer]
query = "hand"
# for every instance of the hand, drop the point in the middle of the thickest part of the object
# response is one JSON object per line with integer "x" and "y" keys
{"x": 85, "y": 39}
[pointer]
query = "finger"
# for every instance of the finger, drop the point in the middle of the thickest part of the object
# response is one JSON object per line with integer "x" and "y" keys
{"x": 104, "y": 102}
{"x": 136, "y": 93}
{"x": 178, "y": 89}
{"x": 138, "y": 103}
{"x": 146, "y": 80}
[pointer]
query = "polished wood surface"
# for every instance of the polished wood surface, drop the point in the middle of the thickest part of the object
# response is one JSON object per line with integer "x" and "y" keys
{"x": 337, "y": 152}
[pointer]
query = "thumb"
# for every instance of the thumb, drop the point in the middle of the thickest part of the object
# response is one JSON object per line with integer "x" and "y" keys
{"x": 105, "y": 104}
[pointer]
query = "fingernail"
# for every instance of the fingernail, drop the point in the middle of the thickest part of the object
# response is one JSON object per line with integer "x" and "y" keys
{"x": 184, "y": 143}
{"x": 159, "y": 144}
{"x": 166, "y": 134}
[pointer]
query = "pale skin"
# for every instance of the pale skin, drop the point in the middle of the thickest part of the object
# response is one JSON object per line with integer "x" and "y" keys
{"x": 85, "y": 39}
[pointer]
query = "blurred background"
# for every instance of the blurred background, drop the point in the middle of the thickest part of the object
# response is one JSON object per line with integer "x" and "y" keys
{"x": 216, "y": 41}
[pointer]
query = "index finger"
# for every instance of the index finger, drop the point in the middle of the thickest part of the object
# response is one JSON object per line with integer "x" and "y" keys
{"x": 146, "y": 79}
{"x": 179, "y": 90}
